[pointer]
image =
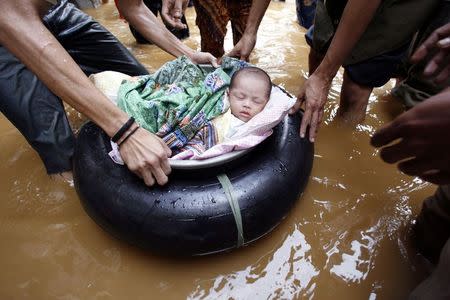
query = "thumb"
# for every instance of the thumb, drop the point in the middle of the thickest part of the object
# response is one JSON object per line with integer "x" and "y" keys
{"x": 177, "y": 11}
{"x": 299, "y": 102}
{"x": 233, "y": 53}
{"x": 213, "y": 61}
{"x": 295, "y": 108}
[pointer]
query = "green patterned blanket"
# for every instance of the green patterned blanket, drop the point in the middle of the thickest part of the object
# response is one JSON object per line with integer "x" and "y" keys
{"x": 178, "y": 99}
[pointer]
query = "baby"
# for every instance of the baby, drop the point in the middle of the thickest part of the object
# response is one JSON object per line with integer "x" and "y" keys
{"x": 248, "y": 94}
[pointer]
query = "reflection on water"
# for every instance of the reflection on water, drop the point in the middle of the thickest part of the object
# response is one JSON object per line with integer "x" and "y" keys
{"x": 284, "y": 273}
{"x": 347, "y": 238}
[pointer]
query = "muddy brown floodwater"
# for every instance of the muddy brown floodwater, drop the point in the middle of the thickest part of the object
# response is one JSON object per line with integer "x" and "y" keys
{"x": 347, "y": 237}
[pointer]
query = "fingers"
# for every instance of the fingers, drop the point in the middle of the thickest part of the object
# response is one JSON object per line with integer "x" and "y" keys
{"x": 154, "y": 168}
{"x": 177, "y": 10}
{"x": 385, "y": 135}
{"x": 213, "y": 61}
{"x": 244, "y": 57}
{"x": 147, "y": 176}
{"x": 314, "y": 126}
{"x": 397, "y": 152}
{"x": 299, "y": 102}
{"x": 443, "y": 75}
{"x": 204, "y": 58}
{"x": 165, "y": 166}
{"x": 418, "y": 166}
{"x": 146, "y": 155}
{"x": 439, "y": 34}
{"x": 434, "y": 63}
{"x": 172, "y": 12}
{"x": 305, "y": 122}
{"x": 444, "y": 43}
{"x": 296, "y": 107}
{"x": 148, "y": 173}
{"x": 176, "y": 23}
{"x": 177, "y": 13}
{"x": 165, "y": 148}
{"x": 165, "y": 12}
{"x": 306, "y": 119}
{"x": 237, "y": 52}
{"x": 421, "y": 52}
{"x": 233, "y": 53}
{"x": 160, "y": 176}
{"x": 438, "y": 177}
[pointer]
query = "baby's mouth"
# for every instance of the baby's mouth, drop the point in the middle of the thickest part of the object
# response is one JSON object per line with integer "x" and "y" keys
{"x": 245, "y": 114}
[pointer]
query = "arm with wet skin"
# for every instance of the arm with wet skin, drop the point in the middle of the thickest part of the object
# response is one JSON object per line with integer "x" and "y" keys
{"x": 24, "y": 35}
{"x": 146, "y": 23}
{"x": 247, "y": 42}
{"x": 422, "y": 146}
{"x": 354, "y": 21}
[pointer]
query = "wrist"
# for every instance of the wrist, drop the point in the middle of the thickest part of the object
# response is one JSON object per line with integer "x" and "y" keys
{"x": 250, "y": 32}
{"x": 189, "y": 53}
{"x": 324, "y": 75}
{"x": 128, "y": 134}
{"x": 327, "y": 69}
{"x": 118, "y": 136}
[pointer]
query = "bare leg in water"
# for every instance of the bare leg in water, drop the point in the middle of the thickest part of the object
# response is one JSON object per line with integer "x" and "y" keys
{"x": 354, "y": 97}
{"x": 314, "y": 60}
{"x": 354, "y": 100}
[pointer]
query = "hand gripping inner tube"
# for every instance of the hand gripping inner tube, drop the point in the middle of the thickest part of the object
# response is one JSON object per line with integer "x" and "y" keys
{"x": 200, "y": 211}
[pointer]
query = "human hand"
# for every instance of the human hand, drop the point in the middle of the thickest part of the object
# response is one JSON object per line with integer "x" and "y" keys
{"x": 172, "y": 11}
{"x": 314, "y": 93}
{"x": 438, "y": 65}
{"x": 146, "y": 155}
{"x": 204, "y": 58}
{"x": 424, "y": 146}
{"x": 244, "y": 47}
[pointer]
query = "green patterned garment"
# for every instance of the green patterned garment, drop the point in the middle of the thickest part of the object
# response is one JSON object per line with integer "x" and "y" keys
{"x": 178, "y": 99}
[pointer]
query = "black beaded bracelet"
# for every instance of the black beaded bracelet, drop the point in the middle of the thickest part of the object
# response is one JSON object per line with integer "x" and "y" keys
{"x": 122, "y": 130}
{"x": 130, "y": 134}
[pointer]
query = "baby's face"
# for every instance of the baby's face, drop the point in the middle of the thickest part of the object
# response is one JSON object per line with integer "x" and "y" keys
{"x": 247, "y": 97}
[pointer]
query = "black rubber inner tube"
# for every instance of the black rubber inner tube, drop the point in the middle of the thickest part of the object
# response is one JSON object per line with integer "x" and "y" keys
{"x": 191, "y": 214}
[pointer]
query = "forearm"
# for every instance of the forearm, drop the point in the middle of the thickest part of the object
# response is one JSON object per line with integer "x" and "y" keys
{"x": 146, "y": 23}
{"x": 356, "y": 17}
{"x": 46, "y": 58}
{"x": 257, "y": 12}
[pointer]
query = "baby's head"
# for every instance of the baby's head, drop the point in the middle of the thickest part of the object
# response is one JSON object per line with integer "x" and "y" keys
{"x": 249, "y": 92}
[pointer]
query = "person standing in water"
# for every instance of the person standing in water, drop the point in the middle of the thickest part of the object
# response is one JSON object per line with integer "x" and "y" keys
{"x": 46, "y": 50}
{"x": 369, "y": 39}
{"x": 245, "y": 17}
{"x": 423, "y": 151}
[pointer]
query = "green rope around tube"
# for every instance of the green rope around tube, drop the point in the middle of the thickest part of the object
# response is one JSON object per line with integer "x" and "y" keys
{"x": 232, "y": 200}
